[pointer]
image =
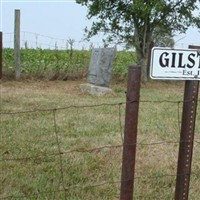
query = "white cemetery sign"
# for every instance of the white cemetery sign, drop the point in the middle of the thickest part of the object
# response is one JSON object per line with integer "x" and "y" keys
{"x": 175, "y": 64}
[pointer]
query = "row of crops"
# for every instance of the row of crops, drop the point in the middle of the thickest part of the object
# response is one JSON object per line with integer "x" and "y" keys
{"x": 47, "y": 63}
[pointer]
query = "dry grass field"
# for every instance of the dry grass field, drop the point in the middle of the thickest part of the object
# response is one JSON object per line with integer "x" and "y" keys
{"x": 60, "y": 143}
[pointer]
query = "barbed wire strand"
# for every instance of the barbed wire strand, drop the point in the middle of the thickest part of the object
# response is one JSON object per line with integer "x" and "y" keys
{"x": 77, "y": 44}
{"x": 7, "y": 112}
{"x": 90, "y": 150}
{"x": 61, "y": 108}
{"x": 35, "y": 35}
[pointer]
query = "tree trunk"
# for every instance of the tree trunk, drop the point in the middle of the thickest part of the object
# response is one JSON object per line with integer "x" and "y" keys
{"x": 143, "y": 49}
{"x": 143, "y": 59}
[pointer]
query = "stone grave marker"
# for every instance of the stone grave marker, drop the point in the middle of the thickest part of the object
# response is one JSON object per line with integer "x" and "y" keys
{"x": 100, "y": 68}
{"x": 100, "y": 71}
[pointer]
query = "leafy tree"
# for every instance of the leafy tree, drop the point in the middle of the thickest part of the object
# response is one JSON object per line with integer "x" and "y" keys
{"x": 136, "y": 21}
{"x": 163, "y": 39}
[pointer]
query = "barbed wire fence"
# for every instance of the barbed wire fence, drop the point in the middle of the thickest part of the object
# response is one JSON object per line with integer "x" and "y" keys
{"x": 63, "y": 156}
{"x": 31, "y": 40}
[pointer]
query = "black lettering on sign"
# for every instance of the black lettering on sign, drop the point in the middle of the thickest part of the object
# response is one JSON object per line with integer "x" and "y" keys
{"x": 164, "y": 61}
{"x": 173, "y": 59}
{"x": 191, "y": 59}
{"x": 198, "y": 55}
{"x": 179, "y": 60}
{"x": 180, "y": 64}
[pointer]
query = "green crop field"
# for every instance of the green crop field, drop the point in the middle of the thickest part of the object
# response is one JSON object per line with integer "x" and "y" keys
{"x": 43, "y": 63}
{"x": 69, "y": 146}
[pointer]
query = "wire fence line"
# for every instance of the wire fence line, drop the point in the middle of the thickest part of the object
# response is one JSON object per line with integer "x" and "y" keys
{"x": 7, "y": 112}
{"x": 31, "y": 40}
{"x": 80, "y": 150}
{"x": 61, "y": 155}
{"x": 37, "y": 40}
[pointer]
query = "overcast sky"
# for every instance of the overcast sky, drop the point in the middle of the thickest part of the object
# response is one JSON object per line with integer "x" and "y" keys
{"x": 61, "y": 20}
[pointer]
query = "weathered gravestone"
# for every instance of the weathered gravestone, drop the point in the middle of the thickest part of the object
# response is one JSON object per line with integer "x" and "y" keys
{"x": 100, "y": 71}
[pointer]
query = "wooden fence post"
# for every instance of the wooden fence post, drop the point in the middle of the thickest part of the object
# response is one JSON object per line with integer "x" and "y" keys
{"x": 17, "y": 45}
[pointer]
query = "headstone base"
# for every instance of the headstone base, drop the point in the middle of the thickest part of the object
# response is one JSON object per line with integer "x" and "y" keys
{"x": 94, "y": 89}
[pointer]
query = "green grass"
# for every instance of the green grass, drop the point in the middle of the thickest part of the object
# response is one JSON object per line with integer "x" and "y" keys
{"x": 86, "y": 170}
{"x": 43, "y": 63}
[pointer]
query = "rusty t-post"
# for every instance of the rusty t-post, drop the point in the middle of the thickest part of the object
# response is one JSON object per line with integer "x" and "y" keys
{"x": 130, "y": 133}
{"x": 186, "y": 138}
{"x": 1, "y": 49}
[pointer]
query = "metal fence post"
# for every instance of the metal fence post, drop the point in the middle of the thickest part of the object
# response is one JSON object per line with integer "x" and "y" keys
{"x": 186, "y": 139}
{"x": 130, "y": 133}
